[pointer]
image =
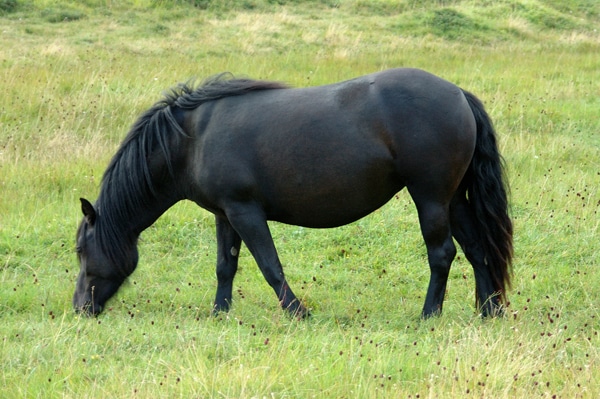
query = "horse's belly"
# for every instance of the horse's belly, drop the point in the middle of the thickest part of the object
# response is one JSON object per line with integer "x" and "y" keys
{"x": 333, "y": 202}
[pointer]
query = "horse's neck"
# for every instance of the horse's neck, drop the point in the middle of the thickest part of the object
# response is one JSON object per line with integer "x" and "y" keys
{"x": 131, "y": 220}
{"x": 151, "y": 215}
{"x": 140, "y": 183}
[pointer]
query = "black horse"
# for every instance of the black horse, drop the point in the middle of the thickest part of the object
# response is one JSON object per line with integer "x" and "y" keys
{"x": 251, "y": 151}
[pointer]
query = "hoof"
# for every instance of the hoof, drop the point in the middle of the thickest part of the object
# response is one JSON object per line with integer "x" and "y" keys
{"x": 220, "y": 309}
{"x": 298, "y": 311}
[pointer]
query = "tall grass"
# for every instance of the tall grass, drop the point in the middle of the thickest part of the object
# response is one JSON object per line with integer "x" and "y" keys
{"x": 71, "y": 87}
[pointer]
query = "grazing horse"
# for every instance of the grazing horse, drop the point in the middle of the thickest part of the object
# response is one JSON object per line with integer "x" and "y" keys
{"x": 251, "y": 151}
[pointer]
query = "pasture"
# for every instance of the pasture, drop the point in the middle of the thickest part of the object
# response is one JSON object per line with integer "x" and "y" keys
{"x": 74, "y": 76}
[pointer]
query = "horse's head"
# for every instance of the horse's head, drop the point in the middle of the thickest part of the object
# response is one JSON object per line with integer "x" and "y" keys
{"x": 100, "y": 274}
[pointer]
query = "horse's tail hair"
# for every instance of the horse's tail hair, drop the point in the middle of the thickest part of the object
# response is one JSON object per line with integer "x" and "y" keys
{"x": 487, "y": 195}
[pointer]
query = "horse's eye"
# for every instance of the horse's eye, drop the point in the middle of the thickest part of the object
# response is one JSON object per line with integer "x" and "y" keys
{"x": 78, "y": 249}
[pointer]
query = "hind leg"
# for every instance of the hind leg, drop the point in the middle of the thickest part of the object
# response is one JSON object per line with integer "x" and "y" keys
{"x": 435, "y": 227}
{"x": 465, "y": 231}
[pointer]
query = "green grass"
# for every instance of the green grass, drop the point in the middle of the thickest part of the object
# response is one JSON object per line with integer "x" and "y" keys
{"x": 75, "y": 75}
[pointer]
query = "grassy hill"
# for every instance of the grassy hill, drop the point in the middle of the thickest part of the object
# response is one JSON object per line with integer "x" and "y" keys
{"x": 469, "y": 20}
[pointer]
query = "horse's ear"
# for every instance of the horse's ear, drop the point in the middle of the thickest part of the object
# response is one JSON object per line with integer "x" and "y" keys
{"x": 88, "y": 211}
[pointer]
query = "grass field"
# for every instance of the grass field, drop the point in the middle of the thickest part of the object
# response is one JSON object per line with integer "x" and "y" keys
{"x": 75, "y": 75}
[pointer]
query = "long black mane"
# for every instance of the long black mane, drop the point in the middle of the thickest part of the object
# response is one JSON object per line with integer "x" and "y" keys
{"x": 127, "y": 185}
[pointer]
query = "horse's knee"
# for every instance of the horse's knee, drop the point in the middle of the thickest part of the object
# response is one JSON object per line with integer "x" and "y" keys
{"x": 226, "y": 272}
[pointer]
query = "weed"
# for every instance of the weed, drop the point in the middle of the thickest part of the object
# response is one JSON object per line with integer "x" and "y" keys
{"x": 66, "y": 14}
{"x": 451, "y": 24}
{"x": 7, "y": 6}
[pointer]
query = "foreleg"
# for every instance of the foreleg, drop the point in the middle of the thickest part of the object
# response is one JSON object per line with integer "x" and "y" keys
{"x": 228, "y": 249}
{"x": 251, "y": 224}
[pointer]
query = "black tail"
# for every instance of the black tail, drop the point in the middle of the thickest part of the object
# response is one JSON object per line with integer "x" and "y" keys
{"x": 487, "y": 195}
